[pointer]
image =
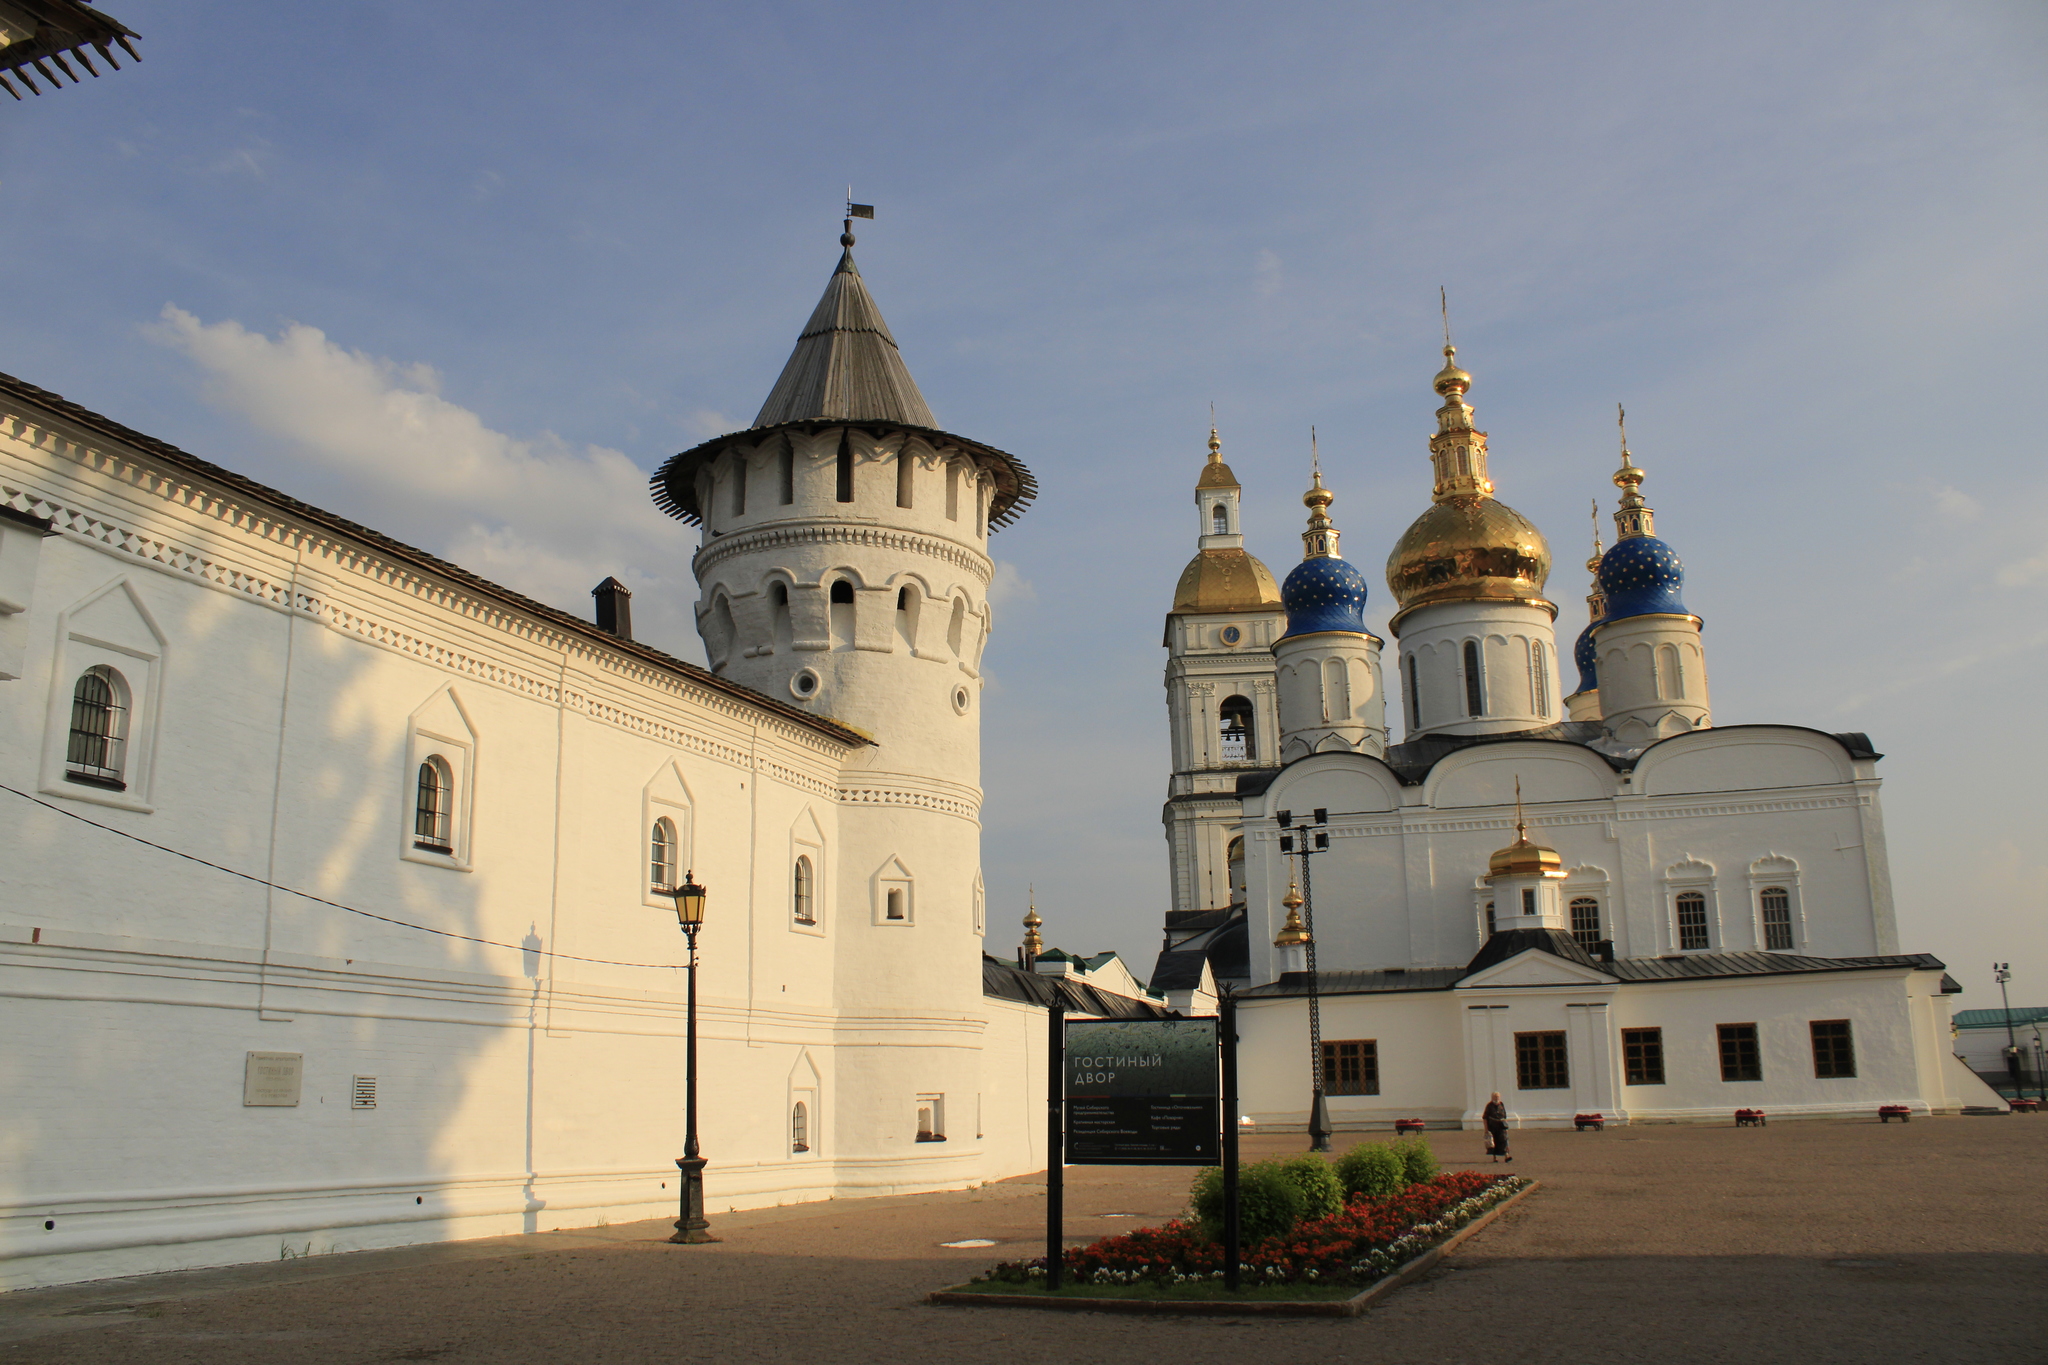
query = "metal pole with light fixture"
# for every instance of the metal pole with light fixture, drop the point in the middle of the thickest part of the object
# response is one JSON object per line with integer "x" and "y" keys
{"x": 2003, "y": 972}
{"x": 1310, "y": 839}
{"x": 691, "y": 1225}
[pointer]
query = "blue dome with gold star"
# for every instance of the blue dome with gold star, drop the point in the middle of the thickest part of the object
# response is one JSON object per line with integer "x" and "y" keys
{"x": 1324, "y": 593}
{"x": 1641, "y": 576}
{"x": 1583, "y": 656}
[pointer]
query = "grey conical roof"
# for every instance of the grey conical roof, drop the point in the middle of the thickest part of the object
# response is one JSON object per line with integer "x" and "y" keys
{"x": 846, "y": 366}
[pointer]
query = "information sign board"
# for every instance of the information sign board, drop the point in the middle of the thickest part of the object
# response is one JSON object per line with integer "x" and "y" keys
{"x": 1142, "y": 1092}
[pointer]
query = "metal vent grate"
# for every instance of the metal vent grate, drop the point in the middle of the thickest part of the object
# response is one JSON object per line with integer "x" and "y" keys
{"x": 362, "y": 1092}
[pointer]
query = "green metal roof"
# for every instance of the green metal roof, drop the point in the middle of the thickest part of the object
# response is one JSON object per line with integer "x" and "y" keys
{"x": 2021, "y": 1014}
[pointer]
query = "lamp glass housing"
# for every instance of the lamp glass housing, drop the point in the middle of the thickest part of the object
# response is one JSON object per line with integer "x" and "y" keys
{"x": 689, "y": 902}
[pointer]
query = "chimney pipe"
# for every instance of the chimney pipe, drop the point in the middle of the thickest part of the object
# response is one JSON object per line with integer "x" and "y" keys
{"x": 614, "y": 608}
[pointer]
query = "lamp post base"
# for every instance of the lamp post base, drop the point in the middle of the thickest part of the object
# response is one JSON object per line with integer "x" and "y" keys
{"x": 691, "y": 1227}
{"x": 1318, "y": 1125}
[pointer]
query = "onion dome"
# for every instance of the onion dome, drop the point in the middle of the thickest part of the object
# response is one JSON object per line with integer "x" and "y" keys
{"x": 1293, "y": 933}
{"x": 1523, "y": 858}
{"x": 1225, "y": 579}
{"x": 1324, "y": 592}
{"x": 1641, "y": 575}
{"x": 1583, "y": 655}
{"x": 1216, "y": 474}
{"x": 1033, "y": 944}
{"x": 1467, "y": 546}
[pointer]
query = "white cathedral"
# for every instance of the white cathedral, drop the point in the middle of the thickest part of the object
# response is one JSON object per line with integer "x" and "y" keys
{"x": 335, "y": 908}
{"x": 1592, "y": 902}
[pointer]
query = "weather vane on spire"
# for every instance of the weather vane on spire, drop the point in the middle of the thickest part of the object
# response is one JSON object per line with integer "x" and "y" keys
{"x": 853, "y": 211}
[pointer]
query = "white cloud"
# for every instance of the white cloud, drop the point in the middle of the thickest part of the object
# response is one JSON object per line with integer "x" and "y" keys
{"x": 1009, "y": 586}
{"x": 2024, "y": 572}
{"x": 708, "y": 423}
{"x": 1266, "y": 273}
{"x": 540, "y": 516}
{"x": 1956, "y": 507}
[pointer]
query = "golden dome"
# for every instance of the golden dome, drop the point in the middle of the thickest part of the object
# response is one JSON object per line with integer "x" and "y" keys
{"x": 1216, "y": 474}
{"x": 1225, "y": 580}
{"x": 1468, "y": 549}
{"x": 1524, "y": 859}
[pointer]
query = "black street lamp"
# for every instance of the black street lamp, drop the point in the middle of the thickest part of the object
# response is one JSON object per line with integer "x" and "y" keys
{"x": 2003, "y": 971}
{"x": 1311, "y": 839}
{"x": 691, "y": 1225}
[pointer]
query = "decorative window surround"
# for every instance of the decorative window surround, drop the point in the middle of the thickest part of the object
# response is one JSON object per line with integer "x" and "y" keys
{"x": 893, "y": 892}
{"x": 807, "y": 842}
{"x": 1694, "y": 876}
{"x": 1772, "y": 871}
{"x": 666, "y": 796}
{"x": 111, "y": 627}
{"x": 441, "y": 729}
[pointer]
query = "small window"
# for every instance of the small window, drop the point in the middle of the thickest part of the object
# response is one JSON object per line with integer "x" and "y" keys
{"x": 894, "y": 903}
{"x": 433, "y": 818}
{"x": 1585, "y": 920}
{"x": 1489, "y": 919}
{"x": 1692, "y": 921}
{"x": 1642, "y": 1056}
{"x": 739, "y": 485}
{"x": 845, "y": 472}
{"x": 661, "y": 855}
{"x": 1529, "y": 902}
{"x": 801, "y": 893}
{"x": 906, "y": 470}
{"x": 1540, "y": 1062}
{"x": 1236, "y": 717}
{"x": 931, "y": 1118}
{"x": 799, "y": 1128}
{"x": 1219, "y": 521}
{"x": 952, "y": 491}
{"x": 1834, "y": 1051}
{"x": 1351, "y": 1068}
{"x": 1539, "y": 678}
{"x": 1475, "y": 693}
{"x": 1414, "y": 697}
{"x": 785, "y": 468}
{"x": 99, "y": 729}
{"x": 842, "y": 592}
{"x": 1777, "y": 908}
{"x": 1741, "y": 1058}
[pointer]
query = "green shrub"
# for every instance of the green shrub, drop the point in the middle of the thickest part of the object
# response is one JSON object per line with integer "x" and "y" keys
{"x": 1372, "y": 1168}
{"x": 1269, "y": 1203}
{"x": 1419, "y": 1160}
{"x": 1322, "y": 1193}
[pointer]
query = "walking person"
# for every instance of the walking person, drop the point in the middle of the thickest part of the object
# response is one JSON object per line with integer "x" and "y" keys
{"x": 1495, "y": 1116}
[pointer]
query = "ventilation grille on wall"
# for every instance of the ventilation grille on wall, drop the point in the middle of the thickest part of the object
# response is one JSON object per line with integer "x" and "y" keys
{"x": 362, "y": 1092}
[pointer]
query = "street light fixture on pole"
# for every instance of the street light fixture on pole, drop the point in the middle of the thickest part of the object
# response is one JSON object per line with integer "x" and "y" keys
{"x": 1312, "y": 839}
{"x": 2003, "y": 971}
{"x": 691, "y": 1226}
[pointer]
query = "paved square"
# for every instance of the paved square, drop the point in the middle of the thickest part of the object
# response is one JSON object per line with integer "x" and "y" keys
{"x": 1809, "y": 1242}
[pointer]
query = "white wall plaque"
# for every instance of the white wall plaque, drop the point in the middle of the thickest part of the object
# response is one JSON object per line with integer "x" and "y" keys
{"x": 272, "y": 1078}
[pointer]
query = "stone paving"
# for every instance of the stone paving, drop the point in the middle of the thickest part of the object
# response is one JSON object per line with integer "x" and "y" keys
{"x": 1839, "y": 1241}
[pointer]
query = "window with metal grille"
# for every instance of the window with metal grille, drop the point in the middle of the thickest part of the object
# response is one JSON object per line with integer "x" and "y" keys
{"x": 362, "y": 1092}
{"x": 1692, "y": 921}
{"x": 1414, "y": 697}
{"x": 800, "y": 892}
{"x": 799, "y": 1128}
{"x": 1777, "y": 907}
{"x": 661, "y": 855}
{"x": 433, "y": 818}
{"x": 1642, "y": 1056}
{"x": 1741, "y": 1057}
{"x": 1834, "y": 1051}
{"x": 1540, "y": 1061}
{"x": 1351, "y": 1068}
{"x": 1585, "y": 920}
{"x": 1236, "y": 716}
{"x": 1221, "y": 520}
{"x": 1529, "y": 902}
{"x": 99, "y": 729}
{"x": 1475, "y": 695}
{"x": 1539, "y": 678}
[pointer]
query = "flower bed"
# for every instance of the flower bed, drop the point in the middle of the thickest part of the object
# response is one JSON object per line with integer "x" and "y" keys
{"x": 1371, "y": 1238}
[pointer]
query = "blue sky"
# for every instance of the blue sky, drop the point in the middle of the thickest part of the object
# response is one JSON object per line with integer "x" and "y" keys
{"x": 465, "y": 272}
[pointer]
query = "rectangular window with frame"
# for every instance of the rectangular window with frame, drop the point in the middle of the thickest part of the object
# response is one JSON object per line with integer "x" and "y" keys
{"x": 1585, "y": 920}
{"x": 1742, "y": 1058}
{"x": 1776, "y": 904}
{"x": 1692, "y": 922}
{"x": 1642, "y": 1056}
{"x": 1540, "y": 1061}
{"x": 1351, "y": 1067}
{"x": 1834, "y": 1050}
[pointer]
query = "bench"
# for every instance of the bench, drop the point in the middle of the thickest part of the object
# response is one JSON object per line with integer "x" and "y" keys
{"x": 1409, "y": 1125}
{"x": 2025, "y": 1106}
{"x": 1887, "y": 1112}
{"x": 1749, "y": 1118}
{"x": 1597, "y": 1122}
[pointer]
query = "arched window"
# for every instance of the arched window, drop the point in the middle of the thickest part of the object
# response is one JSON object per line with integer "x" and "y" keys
{"x": 739, "y": 485}
{"x": 801, "y": 896}
{"x": 1233, "y": 859}
{"x": 893, "y": 904}
{"x": 907, "y": 605}
{"x": 1670, "y": 677}
{"x": 799, "y": 1128}
{"x": 1236, "y": 717}
{"x": 785, "y": 468}
{"x": 661, "y": 855}
{"x": 1692, "y": 921}
{"x": 1585, "y": 920}
{"x": 1539, "y": 678}
{"x": 778, "y": 612}
{"x": 433, "y": 810}
{"x": 906, "y": 471}
{"x": 845, "y": 472}
{"x": 1475, "y": 694}
{"x": 1489, "y": 919}
{"x": 1414, "y": 697}
{"x": 842, "y": 614}
{"x": 1219, "y": 520}
{"x": 99, "y": 729}
{"x": 1776, "y": 904}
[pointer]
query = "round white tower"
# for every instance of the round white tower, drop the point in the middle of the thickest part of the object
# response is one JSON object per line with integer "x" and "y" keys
{"x": 1478, "y": 648}
{"x": 1331, "y": 698}
{"x": 1652, "y": 666}
{"x": 844, "y": 567}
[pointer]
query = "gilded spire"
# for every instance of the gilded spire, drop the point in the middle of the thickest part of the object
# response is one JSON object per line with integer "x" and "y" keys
{"x": 1457, "y": 450}
{"x": 1215, "y": 474}
{"x": 1294, "y": 932}
{"x": 1033, "y": 945}
{"x": 1319, "y": 541}
{"x": 1635, "y": 518}
{"x": 1522, "y": 858}
{"x": 1596, "y": 601}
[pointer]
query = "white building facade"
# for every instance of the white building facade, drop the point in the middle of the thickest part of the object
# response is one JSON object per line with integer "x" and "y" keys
{"x": 334, "y": 912}
{"x": 1631, "y": 912}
